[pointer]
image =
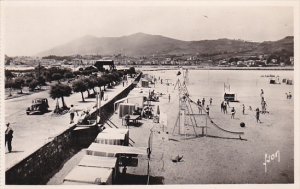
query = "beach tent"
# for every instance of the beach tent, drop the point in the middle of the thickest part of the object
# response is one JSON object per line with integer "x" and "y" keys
{"x": 289, "y": 82}
{"x": 109, "y": 151}
{"x": 113, "y": 138}
{"x": 118, "y": 131}
{"x": 144, "y": 83}
{"x": 100, "y": 162}
{"x": 97, "y": 161}
{"x": 126, "y": 108}
{"x": 89, "y": 175}
{"x": 137, "y": 100}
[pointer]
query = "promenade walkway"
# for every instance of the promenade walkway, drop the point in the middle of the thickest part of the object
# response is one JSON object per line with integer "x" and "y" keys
{"x": 33, "y": 131}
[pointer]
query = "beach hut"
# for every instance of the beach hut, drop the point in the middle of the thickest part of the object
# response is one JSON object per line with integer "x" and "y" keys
{"x": 137, "y": 100}
{"x": 104, "y": 150}
{"x": 89, "y": 175}
{"x": 145, "y": 83}
{"x": 274, "y": 80}
{"x": 113, "y": 137}
{"x": 126, "y": 108}
{"x": 231, "y": 97}
{"x": 100, "y": 162}
{"x": 289, "y": 82}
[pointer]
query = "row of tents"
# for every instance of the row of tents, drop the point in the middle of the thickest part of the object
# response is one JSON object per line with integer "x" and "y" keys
{"x": 104, "y": 157}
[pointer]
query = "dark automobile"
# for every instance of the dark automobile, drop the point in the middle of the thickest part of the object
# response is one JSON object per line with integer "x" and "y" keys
{"x": 39, "y": 106}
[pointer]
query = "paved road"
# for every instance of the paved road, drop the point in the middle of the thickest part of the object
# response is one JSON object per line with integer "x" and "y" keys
{"x": 33, "y": 131}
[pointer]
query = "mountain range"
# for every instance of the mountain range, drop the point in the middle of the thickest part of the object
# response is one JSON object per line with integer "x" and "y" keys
{"x": 141, "y": 44}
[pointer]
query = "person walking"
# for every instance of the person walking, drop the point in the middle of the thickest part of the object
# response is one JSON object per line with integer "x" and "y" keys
{"x": 263, "y": 107}
{"x": 243, "y": 109}
{"x": 203, "y": 102}
{"x": 257, "y": 115}
{"x": 72, "y": 114}
{"x": 210, "y": 101}
{"x": 198, "y": 102}
{"x": 8, "y": 137}
{"x": 232, "y": 113}
{"x": 200, "y": 108}
{"x": 225, "y": 108}
{"x": 261, "y": 93}
{"x": 222, "y": 106}
{"x": 102, "y": 95}
{"x": 207, "y": 110}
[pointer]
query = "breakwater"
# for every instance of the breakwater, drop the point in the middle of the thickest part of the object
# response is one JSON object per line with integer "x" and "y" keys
{"x": 41, "y": 165}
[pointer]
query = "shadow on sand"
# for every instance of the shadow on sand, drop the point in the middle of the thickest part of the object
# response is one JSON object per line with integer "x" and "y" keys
{"x": 130, "y": 179}
{"x": 213, "y": 136}
{"x": 14, "y": 151}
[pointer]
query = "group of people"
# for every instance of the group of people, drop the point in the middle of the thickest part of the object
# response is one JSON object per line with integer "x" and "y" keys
{"x": 201, "y": 105}
{"x": 224, "y": 105}
{"x": 147, "y": 112}
{"x": 288, "y": 95}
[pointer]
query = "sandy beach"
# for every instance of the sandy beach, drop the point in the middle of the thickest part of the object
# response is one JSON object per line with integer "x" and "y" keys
{"x": 219, "y": 158}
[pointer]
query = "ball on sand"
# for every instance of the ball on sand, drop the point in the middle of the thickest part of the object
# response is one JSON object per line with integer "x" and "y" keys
{"x": 242, "y": 124}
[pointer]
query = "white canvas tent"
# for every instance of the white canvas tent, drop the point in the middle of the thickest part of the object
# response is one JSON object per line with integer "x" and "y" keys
{"x": 126, "y": 108}
{"x": 89, "y": 175}
{"x": 112, "y": 138}
{"x": 100, "y": 162}
{"x": 137, "y": 100}
{"x": 97, "y": 161}
{"x": 109, "y": 151}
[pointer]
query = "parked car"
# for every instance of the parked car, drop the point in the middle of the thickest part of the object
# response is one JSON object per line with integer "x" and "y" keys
{"x": 38, "y": 106}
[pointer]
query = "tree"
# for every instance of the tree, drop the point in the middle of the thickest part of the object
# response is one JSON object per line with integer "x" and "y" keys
{"x": 28, "y": 80}
{"x": 92, "y": 69}
{"x": 100, "y": 82}
{"x": 18, "y": 84}
{"x": 9, "y": 85}
{"x": 60, "y": 91}
{"x": 131, "y": 71}
{"x": 33, "y": 84}
{"x": 56, "y": 76}
{"x": 92, "y": 83}
{"x": 69, "y": 75}
{"x": 80, "y": 86}
{"x": 41, "y": 81}
{"x": 89, "y": 84}
{"x": 107, "y": 80}
{"x": 8, "y": 74}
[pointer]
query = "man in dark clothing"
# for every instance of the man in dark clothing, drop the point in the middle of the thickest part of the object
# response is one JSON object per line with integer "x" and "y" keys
{"x": 127, "y": 118}
{"x": 198, "y": 102}
{"x": 222, "y": 106}
{"x": 102, "y": 95}
{"x": 203, "y": 102}
{"x": 207, "y": 110}
{"x": 257, "y": 115}
{"x": 8, "y": 137}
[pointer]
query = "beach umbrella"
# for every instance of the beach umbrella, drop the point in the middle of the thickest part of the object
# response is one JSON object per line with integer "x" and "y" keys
{"x": 158, "y": 111}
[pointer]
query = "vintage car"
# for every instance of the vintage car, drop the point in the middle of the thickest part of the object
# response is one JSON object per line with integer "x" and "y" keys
{"x": 39, "y": 106}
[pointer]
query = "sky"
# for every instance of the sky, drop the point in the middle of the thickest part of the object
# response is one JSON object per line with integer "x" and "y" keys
{"x": 30, "y": 29}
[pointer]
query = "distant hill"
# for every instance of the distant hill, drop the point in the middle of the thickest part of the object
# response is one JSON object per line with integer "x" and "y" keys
{"x": 141, "y": 44}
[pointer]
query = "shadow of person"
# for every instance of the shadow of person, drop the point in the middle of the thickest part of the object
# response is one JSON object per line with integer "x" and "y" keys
{"x": 13, "y": 151}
